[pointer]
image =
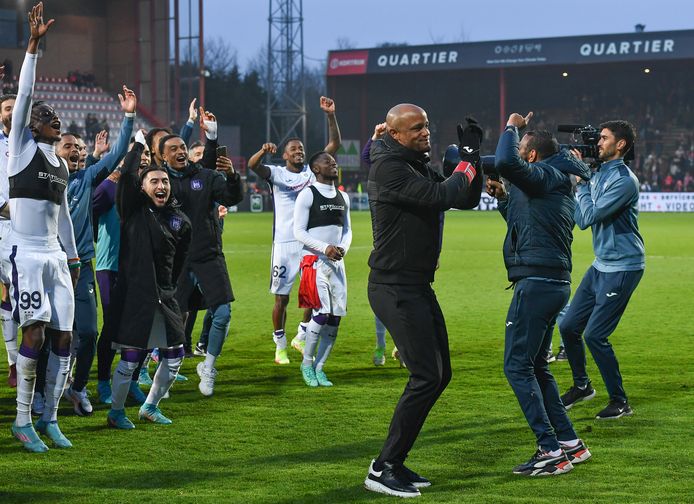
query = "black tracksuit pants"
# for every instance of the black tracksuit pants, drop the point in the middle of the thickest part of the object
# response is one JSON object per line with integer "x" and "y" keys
{"x": 414, "y": 319}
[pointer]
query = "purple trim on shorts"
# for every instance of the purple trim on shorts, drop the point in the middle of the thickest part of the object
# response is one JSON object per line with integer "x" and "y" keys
{"x": 132, "y": 354}
{"x": 6, "y": 305}
{"x": 15, "y": 284}
{"x": 320, "y": 319}
{"x": 29, "y": 353}
{"x": 61, "y": 352}
{"x": 334, "y": 320}
{"x": 172, "y": 353}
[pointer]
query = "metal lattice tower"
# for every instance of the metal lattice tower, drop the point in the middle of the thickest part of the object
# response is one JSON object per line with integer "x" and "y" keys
{"x": 286, "y": 100}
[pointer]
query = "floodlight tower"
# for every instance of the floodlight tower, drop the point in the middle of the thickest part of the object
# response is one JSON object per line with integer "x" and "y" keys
{"x": 286, "y": 100}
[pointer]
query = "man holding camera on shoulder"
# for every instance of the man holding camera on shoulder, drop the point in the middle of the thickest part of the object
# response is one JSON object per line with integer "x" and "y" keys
{"x": 538, "y": 207}
{"x": 609, "y": 205}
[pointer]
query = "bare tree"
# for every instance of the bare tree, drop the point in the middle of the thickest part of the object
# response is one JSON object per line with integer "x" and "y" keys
{"x": 220, "y": 56}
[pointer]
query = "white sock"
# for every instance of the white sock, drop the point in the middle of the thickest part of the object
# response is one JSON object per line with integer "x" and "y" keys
{"x": 570, "y": 443}
{"x": 327, "y": 341}
{"x": 280, "y": 339}
{"x": 10, "y": 329}
{"x": 301, "y": 331}
{"x": 210, "y": 360}
{"x": 120, "y": 383}
{"x": 312, "y": 336}
{"x": 56, "y": 376}
{"x": 163, "y": 379}
{"x": 26, "y": 379}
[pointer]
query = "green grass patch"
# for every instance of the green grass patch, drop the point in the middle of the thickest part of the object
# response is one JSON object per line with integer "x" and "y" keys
{"x": 266, "y": 437}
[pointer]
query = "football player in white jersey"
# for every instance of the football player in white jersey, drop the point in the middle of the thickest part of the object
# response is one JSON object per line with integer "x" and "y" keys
{"x": 41, "y": 273}
{"x": 9, "y": 326}
{"x": 286, "y": 181}
{"x": 322, "y": 225}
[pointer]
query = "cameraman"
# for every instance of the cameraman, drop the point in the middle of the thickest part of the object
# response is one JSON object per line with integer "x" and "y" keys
{"x": 609, "y": 204}
{"x": 406, "y": 197}
{"x": 538, "y": 209}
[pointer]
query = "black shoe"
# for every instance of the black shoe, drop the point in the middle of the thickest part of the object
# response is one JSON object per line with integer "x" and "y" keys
{"x": 561, "y": 356}
{"x": 389, "y": 481}
{"x": 544, "y": 464}
{"x": 577, "y": 394}
{"x": 616, "y": 409}
{"x": 200, "y": 350}
{"x": 414, "y": 478}
{"x": 549, "y": 357}
{"x": 578, "y": 453}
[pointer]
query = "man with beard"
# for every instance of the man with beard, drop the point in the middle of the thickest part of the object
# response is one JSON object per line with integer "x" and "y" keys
{"x": 81, "y": 184}
{"x": 204, "y": 282}
{"x": 9, "y": 326}
{"x": 406, "y": 198}
{"x": 42, "y": 274}
{"x": 609, "y": 204}
{"x": 286, "y": 182}
{"x": 322, "y": 224}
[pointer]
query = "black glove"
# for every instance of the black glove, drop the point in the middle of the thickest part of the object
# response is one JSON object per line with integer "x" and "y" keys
{"x": 469, "y": 141}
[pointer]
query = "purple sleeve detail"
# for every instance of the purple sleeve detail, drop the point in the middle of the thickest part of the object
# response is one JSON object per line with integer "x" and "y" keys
{"x": 366, "y": 152}
{"x": 104, "y": 198}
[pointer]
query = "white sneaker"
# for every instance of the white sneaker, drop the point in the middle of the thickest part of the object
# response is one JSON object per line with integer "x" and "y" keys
{"x": 38, "y": 405}
{"x": 207, "y": 377}
{"x": 80, "y": 401}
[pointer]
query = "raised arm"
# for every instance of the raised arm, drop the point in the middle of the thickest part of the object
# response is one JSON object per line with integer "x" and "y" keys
{"x": 254, "y": 162}
{"x": 108, "y": 163}
{"x": 20, "y": 136}
{"x": 128, "y": 194}
{"x": 616, "y": 198}
{"x": 227, "y": 190}
{"x": 208, "y": 123}
{"x": 334, "y": 139}
{"x": 187, "y": 128}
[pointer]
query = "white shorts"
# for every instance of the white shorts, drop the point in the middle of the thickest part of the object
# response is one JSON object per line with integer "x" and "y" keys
{"x": 40, "y": 284}
{"x": 5, "y": 227}
{"x": 286, "y": 258}
{"x": 331, "y": 284}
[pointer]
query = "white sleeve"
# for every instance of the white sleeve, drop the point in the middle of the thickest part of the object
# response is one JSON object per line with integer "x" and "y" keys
{"x": 302, "y": 208}
{"x": 66, "y": 233}
{"x": 347, "y": 226}
{"x": 20, "y": 136}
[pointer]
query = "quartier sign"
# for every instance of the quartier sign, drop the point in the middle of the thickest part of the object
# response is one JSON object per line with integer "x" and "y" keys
{"x": 643, "y": 46}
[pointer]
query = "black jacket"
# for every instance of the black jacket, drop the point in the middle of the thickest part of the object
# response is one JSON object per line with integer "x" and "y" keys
{"x": 199, "y": 191}
{"x": 406, "y": 198}
{"x": 539, "y": 210}
{"x": 153, "y": 247}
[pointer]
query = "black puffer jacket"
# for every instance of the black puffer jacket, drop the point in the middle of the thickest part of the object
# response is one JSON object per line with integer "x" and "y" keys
{"x": 539, "y": 211}
{"x": 406, "y": 197}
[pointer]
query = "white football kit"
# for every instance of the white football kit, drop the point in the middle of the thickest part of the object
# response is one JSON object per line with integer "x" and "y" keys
{"x": 286, "y": 250}
{"x": 33, "y": 261}
{"x": 321, "y": 218}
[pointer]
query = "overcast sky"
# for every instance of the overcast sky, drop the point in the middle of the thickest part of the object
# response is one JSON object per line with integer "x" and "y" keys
{"x": 366, "y": 23}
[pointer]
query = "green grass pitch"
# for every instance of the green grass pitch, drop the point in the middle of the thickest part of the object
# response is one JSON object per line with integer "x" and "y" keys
{"x": 266, "y": 437}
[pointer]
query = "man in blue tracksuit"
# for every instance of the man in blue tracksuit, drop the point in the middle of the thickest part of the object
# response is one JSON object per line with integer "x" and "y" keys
{"x": 538, "y": 210}
{"x": 81, "y": 184}
{"x": 609, "y": 204}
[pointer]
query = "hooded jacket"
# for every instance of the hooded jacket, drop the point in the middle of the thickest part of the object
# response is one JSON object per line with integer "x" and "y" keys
{"x": 539, "y": 210}
{"x": 406, "y": 198}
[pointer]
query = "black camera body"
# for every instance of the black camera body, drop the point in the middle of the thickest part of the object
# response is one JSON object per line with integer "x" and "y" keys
{"x": 589, "y": 136}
